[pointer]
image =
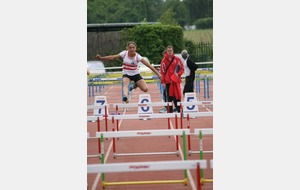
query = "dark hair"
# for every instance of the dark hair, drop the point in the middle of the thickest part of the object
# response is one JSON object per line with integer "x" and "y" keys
{"x": 131, "y": 42}
{"x": 170, "y": 46}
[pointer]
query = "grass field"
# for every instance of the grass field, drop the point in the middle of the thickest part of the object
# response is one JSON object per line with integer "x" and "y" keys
{"x": 198, "y": 36}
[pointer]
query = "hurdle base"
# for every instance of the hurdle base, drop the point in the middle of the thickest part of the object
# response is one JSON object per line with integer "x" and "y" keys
{"x": 206, "y": 180}
{"x": 183, "y": 181}
{"x": 94, "y": 156}
{"x": 146, "y": 154}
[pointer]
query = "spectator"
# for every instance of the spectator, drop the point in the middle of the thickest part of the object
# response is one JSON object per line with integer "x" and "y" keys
{"x": 189, "y": 69}
{"x": 171, "y": 69}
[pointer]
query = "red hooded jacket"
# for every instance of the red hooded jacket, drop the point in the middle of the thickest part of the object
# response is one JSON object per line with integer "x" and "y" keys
{"x": 176, "y": 66}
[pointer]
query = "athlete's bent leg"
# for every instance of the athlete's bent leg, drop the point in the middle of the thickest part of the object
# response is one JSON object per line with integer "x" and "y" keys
{"x": 142, "y": 85}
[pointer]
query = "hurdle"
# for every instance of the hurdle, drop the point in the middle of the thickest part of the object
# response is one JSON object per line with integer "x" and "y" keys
{"x": 150, "y": 116}
{"x": 101, "y": 135}
{"x": 147, "y": 116}
{"x": 205, "y": 78}
{"x": 200, "y": 172}
{"x": 148, "y": 166}
{"x": 105, "y": 81}
{"x": 129, "y": 116}
{"x": 194, "y": 114}
{"x": 143, "y": 133}
{"x": 95, "y": 82}
{"x": 106, "y": 106}
{"x": 200, "y": 132}
{"x": 95, "y": 119}
{"x": 195, "y": 103}
{"x": 135, "y": 105}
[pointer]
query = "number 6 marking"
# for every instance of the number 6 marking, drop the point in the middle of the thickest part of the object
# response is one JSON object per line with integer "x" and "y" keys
{"x": 143, "y": 108}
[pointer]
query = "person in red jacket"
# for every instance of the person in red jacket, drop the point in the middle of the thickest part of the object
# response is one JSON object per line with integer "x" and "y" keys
{"x": 171, "y": 69}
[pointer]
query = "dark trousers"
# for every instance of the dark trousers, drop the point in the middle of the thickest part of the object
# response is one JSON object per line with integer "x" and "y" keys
{"x": 189, "y": 84}
{"x": 168, "y": 98}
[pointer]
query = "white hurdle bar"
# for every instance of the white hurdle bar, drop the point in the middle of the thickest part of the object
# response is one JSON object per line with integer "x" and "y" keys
{"x": 139, "y": 133}
{"x": 143, "y": 133}
{"x": 133, "y": 116}
{"x": 89, "y": 107}
{"x": 204, "y": 103}
{"x": 145, "y": 166}
{"x": 205, "y": 131}
{"x": 167, "y": 116}
{"x": 132, "y": 105}
{"x": 94, "y": 118}
{"x": 196, "y": 103}
{"x": 198, "y": 114}
{"x": 144, "y": 116}
{"x": 150, "y": 166}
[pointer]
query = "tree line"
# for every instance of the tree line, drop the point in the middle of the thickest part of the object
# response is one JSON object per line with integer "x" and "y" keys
{"x": 183, "y": 12}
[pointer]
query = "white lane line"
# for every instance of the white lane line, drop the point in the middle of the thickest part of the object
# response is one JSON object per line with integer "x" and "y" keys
{"x": 206, "y": 108}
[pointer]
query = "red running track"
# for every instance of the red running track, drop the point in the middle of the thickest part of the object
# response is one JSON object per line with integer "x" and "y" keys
{"x": 147, "y": 144}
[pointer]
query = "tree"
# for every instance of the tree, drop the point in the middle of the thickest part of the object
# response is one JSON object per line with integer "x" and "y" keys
{"x": 114, "y": 11}
{"x": 167, "y": 18}
{"x": 179, "y": 9}
{"x": 199, "y": 9}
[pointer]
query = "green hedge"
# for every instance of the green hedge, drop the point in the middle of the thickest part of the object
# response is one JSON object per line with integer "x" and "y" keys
{"x": 153, "y": 39}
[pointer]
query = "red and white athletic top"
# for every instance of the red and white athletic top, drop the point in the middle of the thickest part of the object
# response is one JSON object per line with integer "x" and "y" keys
{"x": 130, "y": 64}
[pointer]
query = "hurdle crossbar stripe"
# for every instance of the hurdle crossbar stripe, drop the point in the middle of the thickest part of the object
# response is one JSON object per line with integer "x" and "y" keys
{"x": 195, "y": 103}
{"x": 145, "y": 116}
{"x": 145, "y": 166}
{"x": 143, "y": 133}
{"x": 130, "y": 105}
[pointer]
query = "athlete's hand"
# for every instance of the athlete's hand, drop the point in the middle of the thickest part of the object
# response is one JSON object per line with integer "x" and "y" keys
{"x": 159, "y": 76}
{"x": 98, "y": 57}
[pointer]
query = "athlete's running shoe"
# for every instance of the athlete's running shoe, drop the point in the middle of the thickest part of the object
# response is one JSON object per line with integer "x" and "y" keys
{"x": 134, "y": 86}
{"x": 125, "y": 99}
{"x": 163, "y": 110}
